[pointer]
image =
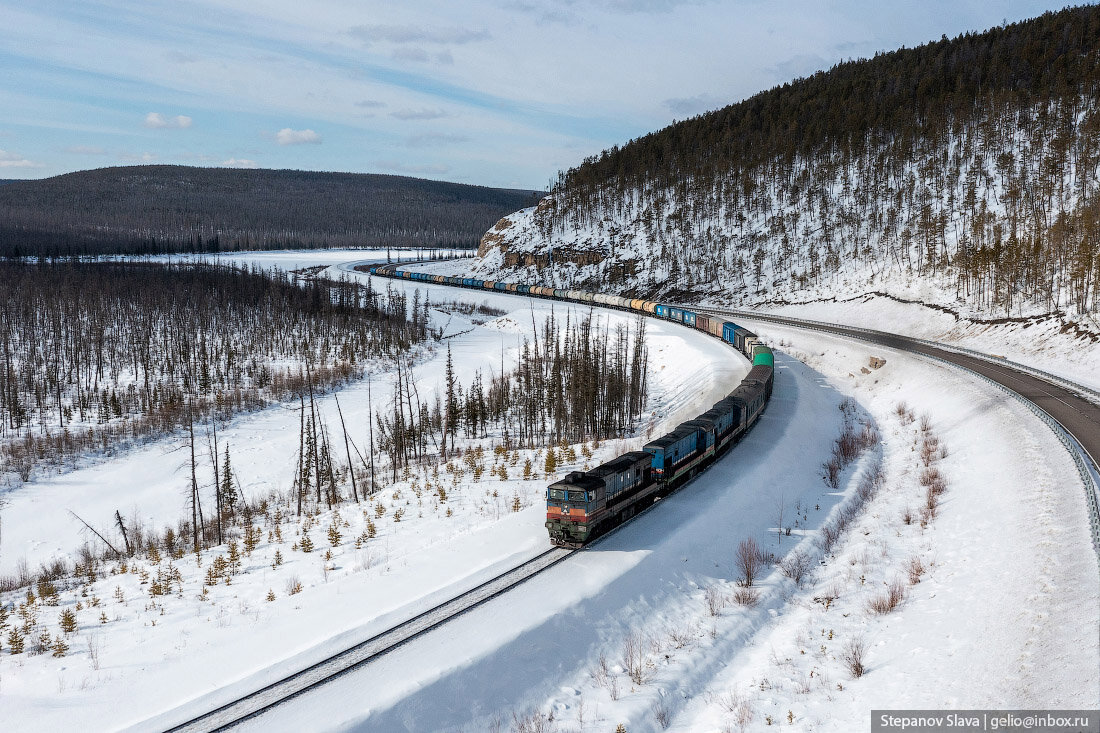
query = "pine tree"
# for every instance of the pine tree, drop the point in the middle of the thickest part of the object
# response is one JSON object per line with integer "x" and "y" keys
{"x": 59, "y": 647}
{"x": 551, "y": 463}
{"x": 228, "y": 490}
{"x": 270, "y": 595}
{"x": 15, "y": 640}
{"x": 234, "y": 558}
{"x": 450, "y": 405}
{"x": 68, "y": 621}
{"x": 334, "y": 535}
{"x": 307, "y": 543}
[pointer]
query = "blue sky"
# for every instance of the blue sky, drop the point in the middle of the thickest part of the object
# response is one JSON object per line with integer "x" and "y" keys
{"x": 492, "y": 92}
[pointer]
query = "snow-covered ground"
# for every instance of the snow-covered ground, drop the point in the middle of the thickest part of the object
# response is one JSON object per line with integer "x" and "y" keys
{"x": 1004, "y": 613}
{"x": 438, "y": 547}
{"x": 1042, "y": 342}
{"x": 971, "y": 632}
{"x": 297, "y": 259}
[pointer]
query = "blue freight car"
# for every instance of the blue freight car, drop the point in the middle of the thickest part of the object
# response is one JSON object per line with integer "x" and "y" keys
{"x": 670, "y": 452}
{"x": 728, "y": 330}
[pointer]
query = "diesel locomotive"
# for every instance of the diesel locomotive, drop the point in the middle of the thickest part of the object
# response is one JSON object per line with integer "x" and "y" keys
{"x": 586, "y": 504}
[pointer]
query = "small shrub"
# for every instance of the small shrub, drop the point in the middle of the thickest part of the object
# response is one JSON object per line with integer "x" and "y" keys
{"x": 662, "y": 716}
{"x": 749, "y": 560}
{"x": 853, "y": 656}
{"x": 293, "y": 585}
{"x": 832, "y": 472}
{"x": 796, "y": 566}
{"x": 634, "y": 659}
{"x": 888, "y": 601}
{"x": 714, "y": 600}
{"x": 746, "y": 597}
{"x": 916, "y": 569}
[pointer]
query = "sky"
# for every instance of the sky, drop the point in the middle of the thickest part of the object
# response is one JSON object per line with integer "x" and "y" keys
{"x": 492, "y": 92}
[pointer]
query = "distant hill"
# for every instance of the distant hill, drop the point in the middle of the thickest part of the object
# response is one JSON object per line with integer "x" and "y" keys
{"x": 964, "y": 172}
{"x": 8, "y": 180}
{"x": 156, "y": 209}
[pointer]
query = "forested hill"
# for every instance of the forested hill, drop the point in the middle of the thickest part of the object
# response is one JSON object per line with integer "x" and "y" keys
{"x": 962, "y": 170}
{"x": 145, "y": 209}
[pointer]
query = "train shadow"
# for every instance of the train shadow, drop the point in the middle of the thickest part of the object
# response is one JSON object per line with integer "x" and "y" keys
{"x": 641, "y": 576}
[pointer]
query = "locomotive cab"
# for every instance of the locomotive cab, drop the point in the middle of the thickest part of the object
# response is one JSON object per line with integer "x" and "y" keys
{"x": 570, "y": 504}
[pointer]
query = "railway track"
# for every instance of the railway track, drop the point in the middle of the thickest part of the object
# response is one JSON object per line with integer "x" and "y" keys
{"x": 1069, "y": 406}
{"x": 295, "y": 684}
{"x": 1065, "y": 406}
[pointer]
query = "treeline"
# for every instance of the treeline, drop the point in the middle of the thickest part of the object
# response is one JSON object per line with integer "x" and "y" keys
{"x": 574, "y": 382}
{"x": 94, "y": 355}
{"x": 167, "y": 209}
{"x": 974, "y": 159}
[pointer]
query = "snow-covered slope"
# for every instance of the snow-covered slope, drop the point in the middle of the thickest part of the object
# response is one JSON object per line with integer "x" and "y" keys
{"x": 199, "y": 639}
{"x": 660, "y": 595}
{"x": 989, "y": 221}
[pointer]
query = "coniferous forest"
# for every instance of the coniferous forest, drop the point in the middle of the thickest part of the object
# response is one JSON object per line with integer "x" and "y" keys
{"x": 164, "y": 209}
{"x": 574, "y": 382}
{"x": 972, "y": 162}
{"x": 98, "y": 355}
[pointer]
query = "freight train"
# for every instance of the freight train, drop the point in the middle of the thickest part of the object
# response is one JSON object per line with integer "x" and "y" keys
{"x": 586, "y": 504}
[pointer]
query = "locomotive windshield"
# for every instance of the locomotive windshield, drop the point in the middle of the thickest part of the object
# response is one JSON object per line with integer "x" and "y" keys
{"x": 577, "y": 496}
{"x": 557, "y": 494}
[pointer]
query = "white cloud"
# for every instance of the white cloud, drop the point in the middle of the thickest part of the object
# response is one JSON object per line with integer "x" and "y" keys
{"x": 430, "y": 139}
{"x": 145, "y": 157}
{"x": 157, "y": 121}
{"x": 85, "y": 150}
{"x": 14, "y": 160}
{"x": 398, "y": 167}
{"x": 417, "y": 34}
{"x": 689, "y": 106}
{"x": 287, "y": 136}
{"x": 418, "y": 114}
{"x": 240, "y": 163}
{"x": 410, "y": 53}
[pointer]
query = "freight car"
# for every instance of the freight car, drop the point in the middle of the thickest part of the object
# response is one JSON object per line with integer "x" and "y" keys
{"x": 586, "y": 504}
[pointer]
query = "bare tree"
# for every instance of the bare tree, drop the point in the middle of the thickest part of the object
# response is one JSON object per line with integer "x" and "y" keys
{"x": 749, "y": 560}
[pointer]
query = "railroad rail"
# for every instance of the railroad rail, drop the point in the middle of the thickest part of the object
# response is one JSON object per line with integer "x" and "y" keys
{"x": 293, "y": 685}
{"x": 1070, "y": 410}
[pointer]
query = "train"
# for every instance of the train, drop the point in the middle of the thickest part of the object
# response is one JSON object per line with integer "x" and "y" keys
{"x": 587, "y": 504}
